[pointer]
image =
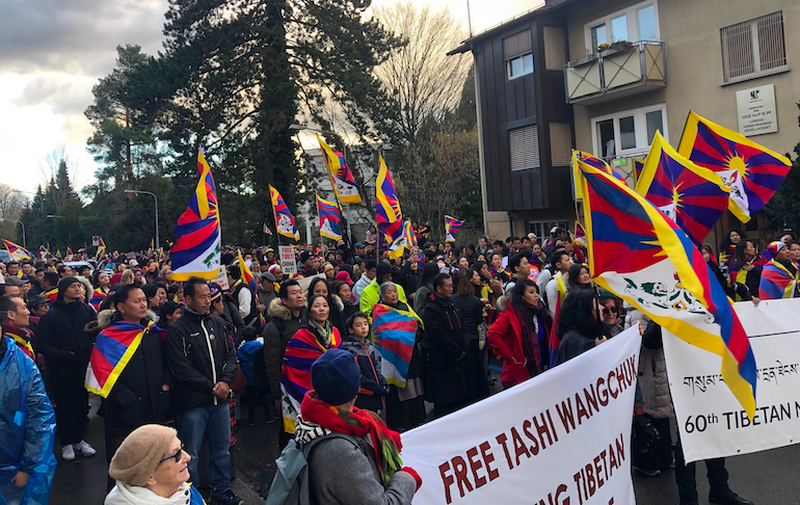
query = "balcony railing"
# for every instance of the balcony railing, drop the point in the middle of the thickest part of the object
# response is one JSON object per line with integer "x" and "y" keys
{"x": 621, "y": 71}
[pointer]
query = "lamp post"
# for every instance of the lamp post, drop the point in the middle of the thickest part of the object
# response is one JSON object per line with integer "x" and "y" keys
{"x": 155, "y": 198}
{"x": 24, "y": 243}
{"x": 35, "y": 196}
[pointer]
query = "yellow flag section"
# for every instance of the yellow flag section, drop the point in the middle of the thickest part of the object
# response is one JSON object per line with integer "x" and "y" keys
{"x": 387, "y": 212}
{"x": 642, "y": 256}
{"x": 752, "y": 171}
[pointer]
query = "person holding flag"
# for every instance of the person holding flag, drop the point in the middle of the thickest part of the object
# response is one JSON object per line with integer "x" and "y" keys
{"x": 134, "y": 381}
{"x": 779, "y": 277}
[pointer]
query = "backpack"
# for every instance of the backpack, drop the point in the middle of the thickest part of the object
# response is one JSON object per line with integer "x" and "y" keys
{"x": 290, "y": 485}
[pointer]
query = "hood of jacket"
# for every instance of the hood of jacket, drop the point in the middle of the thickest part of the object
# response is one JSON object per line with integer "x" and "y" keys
{"x": 281, "y": 311}
{"x": 338, "y": 302}
{"x": 125, "y": 494}
{"x": 105, "y": 318}
{"x": 357, "y": 347}
{"x": 305, "y": 432}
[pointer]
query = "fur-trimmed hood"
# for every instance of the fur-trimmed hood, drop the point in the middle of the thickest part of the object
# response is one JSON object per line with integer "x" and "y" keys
{"x": 104, "y": 317}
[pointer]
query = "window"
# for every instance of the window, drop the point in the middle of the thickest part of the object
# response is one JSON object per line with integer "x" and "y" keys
{"x": 542, "y": 228}
{"x": 518, "y": 53}
{"x": 555, "y": 51}
{"x": 560, "y": 144}
{"x": 638, "y": 22}
{"x": 629, "y": 132}
{"x": 753, "y": 48}
{"x": 524, "y": 146}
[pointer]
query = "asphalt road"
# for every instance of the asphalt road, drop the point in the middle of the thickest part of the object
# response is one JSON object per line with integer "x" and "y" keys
{"x": 769, "y": 477}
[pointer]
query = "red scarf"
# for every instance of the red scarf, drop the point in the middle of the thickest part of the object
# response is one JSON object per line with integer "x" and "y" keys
{"x": 386, "y": 442}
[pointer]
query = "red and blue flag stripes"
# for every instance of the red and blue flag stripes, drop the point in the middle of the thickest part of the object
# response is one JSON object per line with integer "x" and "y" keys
{"x": 752, "y": 171}
{"x": 694, "y": 197}
{"x": 639, "y": 254}
{"x": 113, "y": 350}
{"x": 395, "y": 332}
{"x": 301, "y": 352}
{"x": 97, "y": 298}
{"x": 197, "y": 232}
{"x": 388, "y": 213}
{"x": 777, "y": 282}
{"x": 451, "y": 226}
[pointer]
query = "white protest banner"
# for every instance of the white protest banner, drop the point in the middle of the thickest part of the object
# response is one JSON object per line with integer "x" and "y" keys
{"x": 561, "y": 438}
{"x": 712, "y": 423}
{"x": 288, "y": 261}
{"x": 222, "y": 278}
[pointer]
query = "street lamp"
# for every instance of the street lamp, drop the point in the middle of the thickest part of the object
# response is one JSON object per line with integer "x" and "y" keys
{"x": 299, "y": 127}
{"x": 155, "y": 198}
{"x": 24, "y": 244}
{"x": 35, "y": 196}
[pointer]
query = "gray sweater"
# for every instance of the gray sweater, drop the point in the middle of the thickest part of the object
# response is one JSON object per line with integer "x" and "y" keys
{"x": 339, "y": 473}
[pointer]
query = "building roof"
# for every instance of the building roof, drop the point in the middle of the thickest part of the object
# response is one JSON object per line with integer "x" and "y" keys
{"x": 549, "y": 6}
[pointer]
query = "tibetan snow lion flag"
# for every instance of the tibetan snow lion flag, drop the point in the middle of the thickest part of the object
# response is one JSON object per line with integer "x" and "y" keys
{"x": 639, "y": 254}
{"x": 197, "y": 249}
{"x": 594, "y": 162}
{"x": 342, "y": 180}
{"x": 411, "y": 237}
{"x": 284, "y": 220}
{"x": 330, "y": 215}
{"x": 451, "y": 226}
{"x": 694, "y": 197}
{"x": 395, "y": 332}
{"x": 753, "y": 172}
{"x": 112, "y": 352}
{"x": 17, "y": 251}
{"x": 388, "y": 213}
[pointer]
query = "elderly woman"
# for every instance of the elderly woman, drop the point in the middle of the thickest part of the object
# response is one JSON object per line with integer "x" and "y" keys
{"x": 405, "y": 406}
{"x": 151, "y": 467}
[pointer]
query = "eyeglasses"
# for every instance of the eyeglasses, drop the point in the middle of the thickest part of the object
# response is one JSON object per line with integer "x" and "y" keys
{"x": 176, "y": 456}
{"x": 612, "y": 310}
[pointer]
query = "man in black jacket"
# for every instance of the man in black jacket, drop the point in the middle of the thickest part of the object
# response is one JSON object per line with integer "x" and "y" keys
{"x": 141, "y": 393}
{"x": 66, "y": 348}
{"x": 444, "y": 332}
{"x": 202, "y": 358}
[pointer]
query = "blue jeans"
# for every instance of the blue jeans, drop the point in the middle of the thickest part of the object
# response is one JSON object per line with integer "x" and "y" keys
{"x": 214, "y": 423}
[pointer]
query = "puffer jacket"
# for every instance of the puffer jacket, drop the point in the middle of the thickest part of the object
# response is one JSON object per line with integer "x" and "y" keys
{"x": 61, "y": 339}
{"x": 653, "y": 379}
{"x": 373, "y": 385}
{"x": 200, "y": 353}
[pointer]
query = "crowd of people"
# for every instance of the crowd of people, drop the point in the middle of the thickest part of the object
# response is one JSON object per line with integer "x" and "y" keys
{"x": 169, "y": 359}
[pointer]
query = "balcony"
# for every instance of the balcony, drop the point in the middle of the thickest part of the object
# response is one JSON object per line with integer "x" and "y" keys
{"x": 624, "y": 69}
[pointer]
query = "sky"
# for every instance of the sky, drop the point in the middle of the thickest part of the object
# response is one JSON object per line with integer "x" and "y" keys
{"x": 53, "y": 51}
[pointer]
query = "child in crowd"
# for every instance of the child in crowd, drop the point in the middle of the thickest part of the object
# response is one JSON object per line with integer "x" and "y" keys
{"x": 373, "y": 385}
{"x": 247, "y": 349}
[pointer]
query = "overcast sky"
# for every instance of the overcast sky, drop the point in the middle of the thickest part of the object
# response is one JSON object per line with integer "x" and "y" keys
{"x": 53, "y": 51}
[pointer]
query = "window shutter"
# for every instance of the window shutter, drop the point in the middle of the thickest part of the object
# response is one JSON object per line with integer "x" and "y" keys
{"x": 524, "y": 147}
{"x": 517, "y": 45}
{"x": 555, "y": 51}
{"x": 560, "y": 144}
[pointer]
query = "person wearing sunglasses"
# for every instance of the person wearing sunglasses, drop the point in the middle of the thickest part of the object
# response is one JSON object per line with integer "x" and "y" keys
{"x": 611, "y": 313}
{"x": 151, "y": 467}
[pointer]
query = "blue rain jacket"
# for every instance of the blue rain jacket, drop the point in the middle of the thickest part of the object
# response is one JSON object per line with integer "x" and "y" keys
{"x": 27, "y": 430}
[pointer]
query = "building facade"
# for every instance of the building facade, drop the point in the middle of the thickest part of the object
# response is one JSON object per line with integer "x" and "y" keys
{"x": 730, "y": 61}
{"x": 526, "y": 131}
{"x": 631, "y": 68}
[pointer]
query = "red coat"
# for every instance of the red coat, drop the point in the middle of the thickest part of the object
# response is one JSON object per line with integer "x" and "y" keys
{"x": 504, "y": 338}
